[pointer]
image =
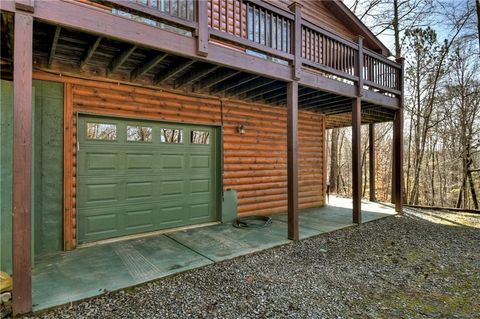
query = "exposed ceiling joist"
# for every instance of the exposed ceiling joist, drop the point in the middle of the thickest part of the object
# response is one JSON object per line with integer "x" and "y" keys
{"x": 255, "y": 94}
{"x": 218, "y": 77}
{"x": 192, "y": 77}
{"x": 225, "y": 87}
{"x": 147, "y": 66}
{"x": 89, "y": 53}
{"x": 53, "y": 47}
{"x": 117, "y": 62}
{"x": 251, "y": 86}
{"x": 164, "y": 76}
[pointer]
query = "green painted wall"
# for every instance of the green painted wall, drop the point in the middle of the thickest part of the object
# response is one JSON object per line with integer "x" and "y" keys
{"x": 47, "y": 183}
{"x": 6, "y": 128}
{"x": 48, "y": 167}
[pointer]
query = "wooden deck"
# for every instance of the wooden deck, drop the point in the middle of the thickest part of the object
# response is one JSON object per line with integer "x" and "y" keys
{"x": 248, "y": 49}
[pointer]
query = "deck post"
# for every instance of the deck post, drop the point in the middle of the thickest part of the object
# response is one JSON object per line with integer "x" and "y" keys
{"x": 356, "y": 139}
{"x": 398, "y": 163}
{"x": 371, "y": 136}
{"x": 202, "y": 29}
{"x": 356, "y": 162}
{"x": 292, "y": 159}
{"x": 296, "y": 8}
{"x": 22, "y": 163}
{"x": 392, "y": 195}
{"x": 398, "y": 147}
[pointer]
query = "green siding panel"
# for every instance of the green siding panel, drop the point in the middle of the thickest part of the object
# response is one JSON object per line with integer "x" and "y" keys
{"x": 127, "y": 187}
{"x": 6, "y": 132}
{"x": 48, "y": 167}
{"x": 47, "y": 179}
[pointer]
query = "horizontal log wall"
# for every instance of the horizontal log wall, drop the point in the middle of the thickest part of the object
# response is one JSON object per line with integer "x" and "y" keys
{"x": 255, "y": 163}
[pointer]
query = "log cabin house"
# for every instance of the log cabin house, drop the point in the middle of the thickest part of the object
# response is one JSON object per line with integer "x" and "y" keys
{"x": 145, "y": 112}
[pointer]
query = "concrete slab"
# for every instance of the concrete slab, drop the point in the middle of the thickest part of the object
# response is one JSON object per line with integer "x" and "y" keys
{"x": 87, "y": 272}
{"x": 223, "y": 241}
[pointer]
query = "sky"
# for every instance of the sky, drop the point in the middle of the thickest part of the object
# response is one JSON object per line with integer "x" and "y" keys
{"x": 437, "y": 22}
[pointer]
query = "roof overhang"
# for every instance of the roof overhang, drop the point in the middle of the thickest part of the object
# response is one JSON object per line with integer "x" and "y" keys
{"x": 343, "y": 13}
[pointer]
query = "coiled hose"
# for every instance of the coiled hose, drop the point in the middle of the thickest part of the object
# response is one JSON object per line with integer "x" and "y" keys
{"x": 252, "y": 222}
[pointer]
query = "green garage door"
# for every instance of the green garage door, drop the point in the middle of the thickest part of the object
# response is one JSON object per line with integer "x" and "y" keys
{"x": 137, "y": 176}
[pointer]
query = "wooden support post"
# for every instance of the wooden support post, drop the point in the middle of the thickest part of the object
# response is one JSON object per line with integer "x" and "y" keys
{"x": 392, "y": 195}
{"x": 397, "y": 189}
{"x": 356, "y": 139}
{"x": 356, "y": 162}
{"x": 296, "y": 8}
{"x": 22, "y": 163}
{"x": 398, "y": 168}
{"x": 292, "y": 159}
{"x": 371, "y": 136}
{"x": 202, "y": 29}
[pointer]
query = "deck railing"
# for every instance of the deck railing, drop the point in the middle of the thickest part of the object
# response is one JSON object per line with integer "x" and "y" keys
{"x": 261, "y": 28}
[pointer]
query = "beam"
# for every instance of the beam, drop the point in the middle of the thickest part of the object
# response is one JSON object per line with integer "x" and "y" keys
{"x": 22, "y": 163}
{"x": 371, "y": 147}
{"x": 117, "y": 62}
{"x": 164, "y": 76}
{"x": 292, "y": 160}
{"x": 215, "y": 79}
{"x": 147, "y": 66}
{"x": 25, "y": 5}
{"x": 194, "y": 76}
{"x": 53, "y": 48}
{"x": 89, "y": 53}
{"x": 356, "y": 161}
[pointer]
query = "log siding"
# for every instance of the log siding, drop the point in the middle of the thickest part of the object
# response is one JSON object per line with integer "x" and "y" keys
{"x": 255, "y": 163}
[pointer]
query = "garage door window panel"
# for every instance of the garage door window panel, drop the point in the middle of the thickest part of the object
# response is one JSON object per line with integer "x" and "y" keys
{"x": 139, "y": 134}
{"x": 101, "y": 131}
{"x": 200, "y": 137}
{"x": 171, "y": 136}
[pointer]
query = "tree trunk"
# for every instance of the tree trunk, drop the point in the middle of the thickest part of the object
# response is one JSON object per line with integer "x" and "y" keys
{"x": 472, "y": 190}
{"x": 478, "y": 21}
{"x": 334, "y": 161}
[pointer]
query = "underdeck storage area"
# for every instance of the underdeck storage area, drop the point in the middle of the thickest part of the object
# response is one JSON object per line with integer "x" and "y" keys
{"x": 85, "y": 272}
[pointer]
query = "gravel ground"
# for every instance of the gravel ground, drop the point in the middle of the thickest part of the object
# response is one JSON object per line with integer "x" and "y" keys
{"x": 420, "y": 265}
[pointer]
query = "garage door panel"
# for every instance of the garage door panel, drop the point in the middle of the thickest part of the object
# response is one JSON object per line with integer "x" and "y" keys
{"x": 200, "y": 161}
{"x": 139, "y": 220}
{"x": 172, "y": 188}
{"x": 173, "y": 161}
{"x": 94, "y": 162}
{"x": 102, "y": 193}
{"x": 200, "y": 186}
{"x": 132, "y": 186}
{"x": 140, "y": 161}
{"x": 98, "y": 226}
{"x": 200, "y": 211}
{"x": 173, "y": 214}
{"x": 143, "y": 190}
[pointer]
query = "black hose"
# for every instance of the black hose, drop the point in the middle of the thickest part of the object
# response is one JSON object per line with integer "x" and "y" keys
{"x": 252, "y": 222}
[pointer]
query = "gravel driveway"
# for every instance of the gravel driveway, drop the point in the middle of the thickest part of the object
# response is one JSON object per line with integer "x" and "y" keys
{"x": 420, "y": 265}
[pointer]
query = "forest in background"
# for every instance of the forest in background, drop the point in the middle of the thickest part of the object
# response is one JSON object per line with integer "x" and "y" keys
{"x": 440, "y": 42}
